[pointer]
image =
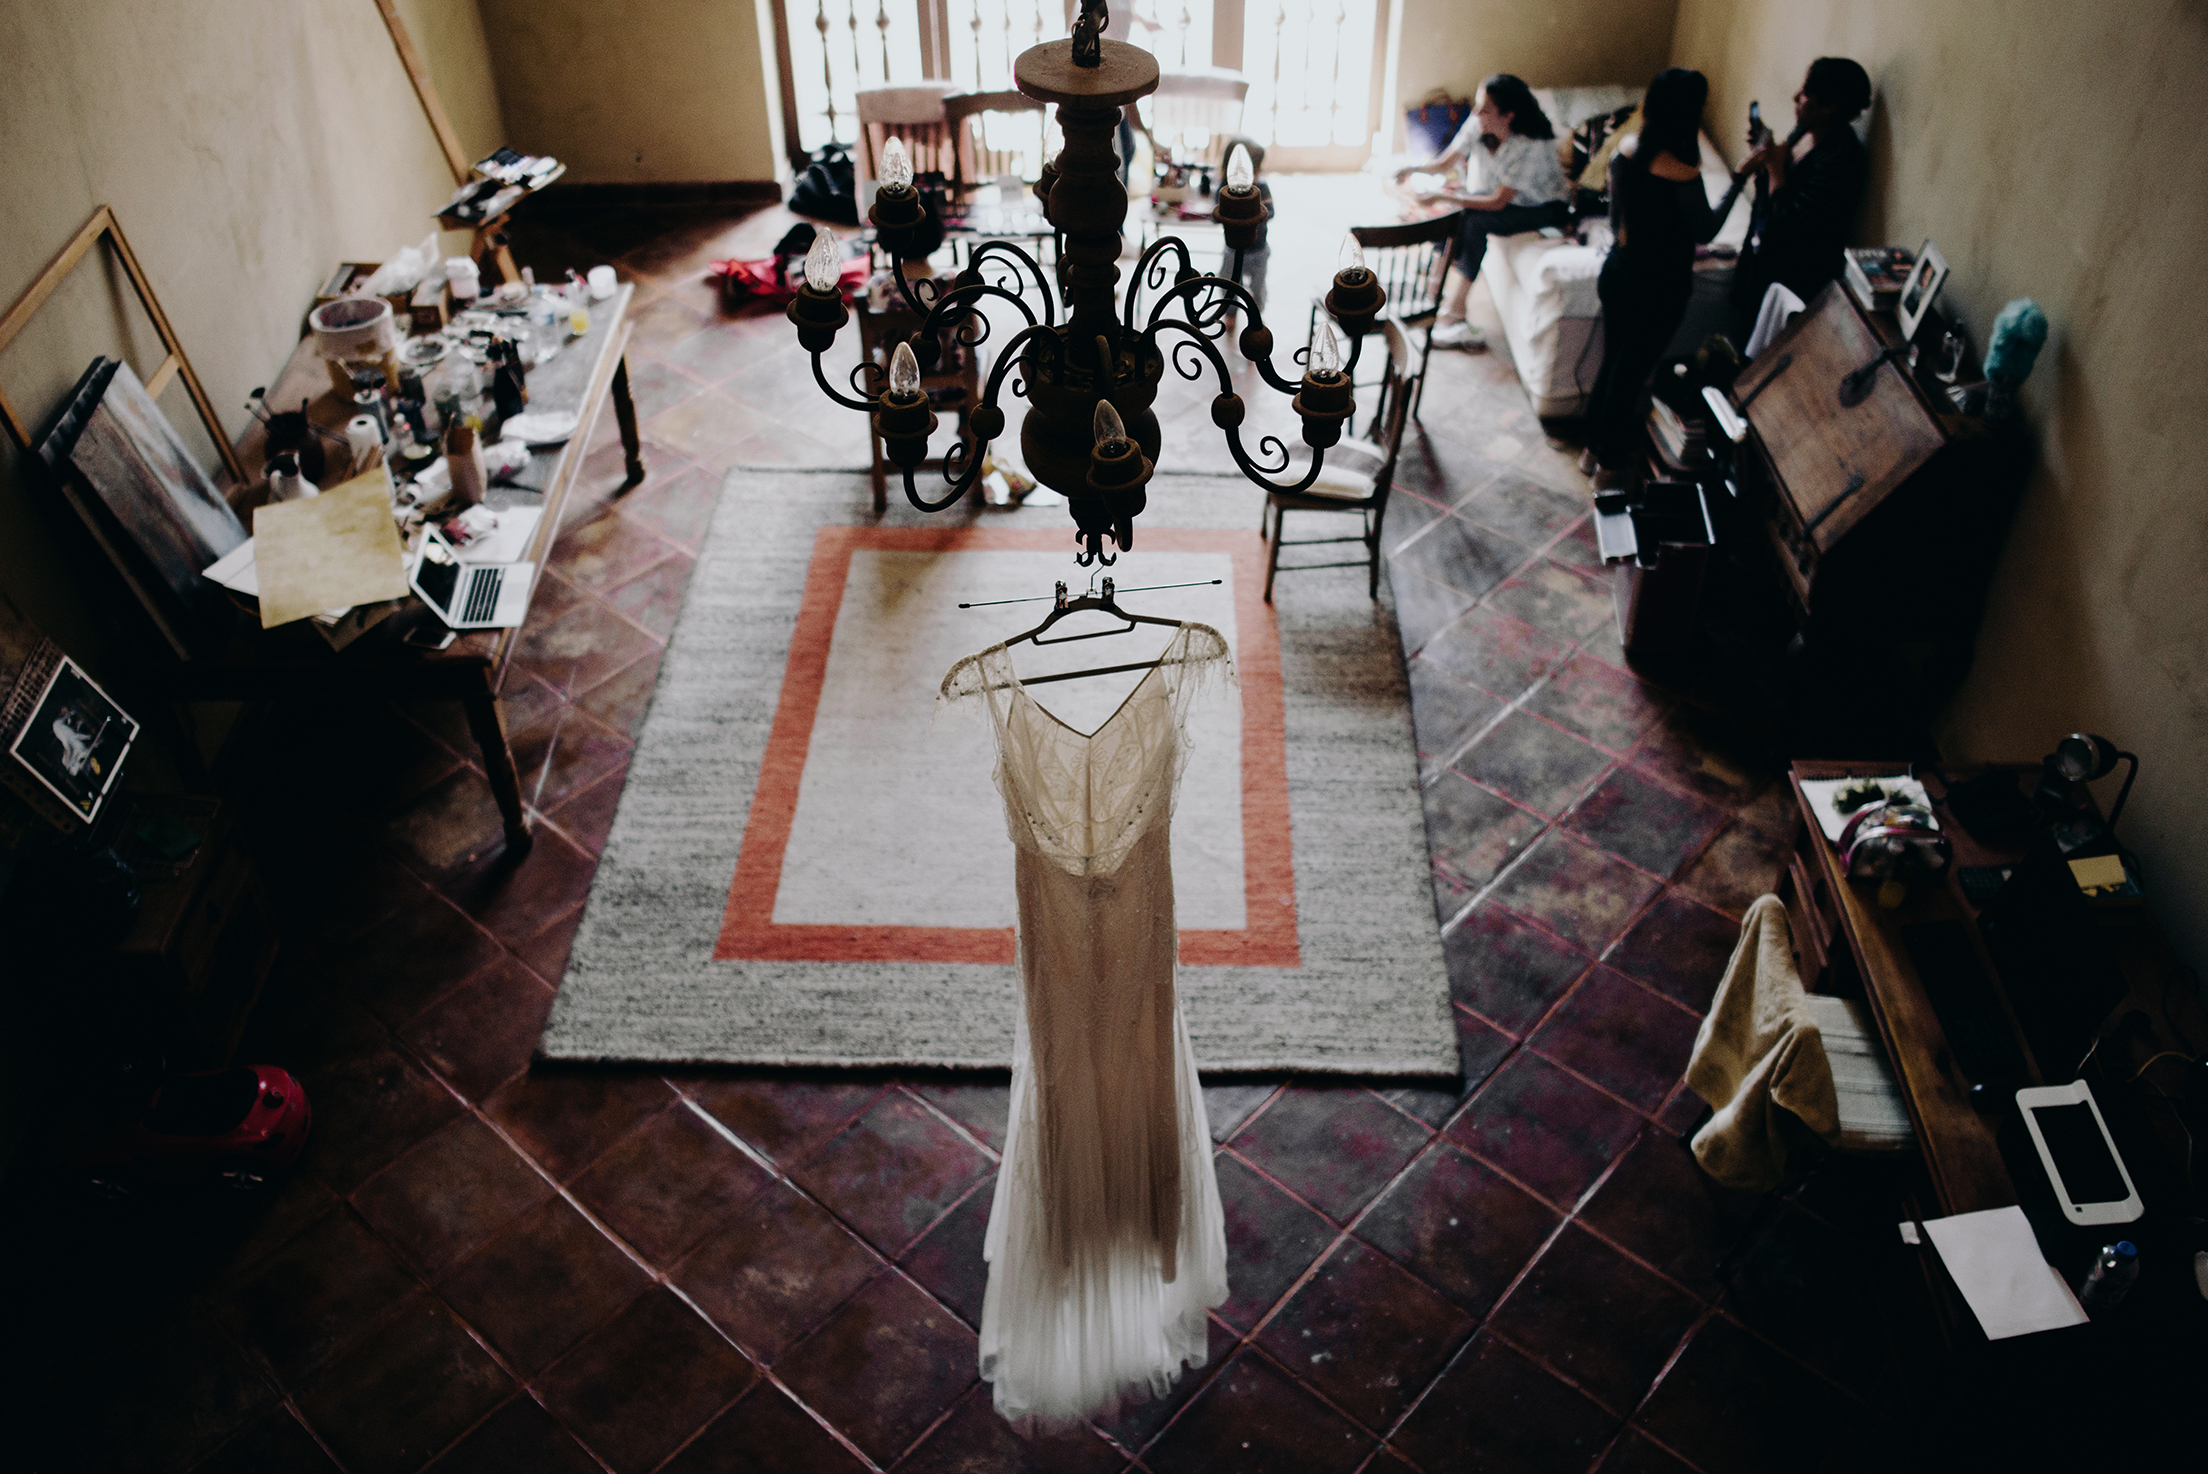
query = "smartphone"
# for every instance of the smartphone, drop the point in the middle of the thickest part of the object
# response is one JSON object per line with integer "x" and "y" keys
{"x": 430, "y": 637}
{"x": 2088, "y": 1175}
{"x": 1757, "y": 133}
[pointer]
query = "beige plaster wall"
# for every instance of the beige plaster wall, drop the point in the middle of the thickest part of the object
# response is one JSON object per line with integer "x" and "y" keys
{"x": 647, "y": 91}
{"x": 1565, "y": 43}
{"x": 449, "y": 34}
{"x": 2052, "y": 152}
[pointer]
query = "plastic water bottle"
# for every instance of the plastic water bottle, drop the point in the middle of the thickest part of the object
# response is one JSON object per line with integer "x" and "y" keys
{"x": 2112, "y": 1274}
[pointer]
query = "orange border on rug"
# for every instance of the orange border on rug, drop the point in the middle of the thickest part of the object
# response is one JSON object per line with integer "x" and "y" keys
{"x": 1268, "y": 936}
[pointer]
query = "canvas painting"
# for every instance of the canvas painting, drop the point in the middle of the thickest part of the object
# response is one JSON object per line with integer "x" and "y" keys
{"x": 75, "y": 741}
{"x": 161, "y": 518}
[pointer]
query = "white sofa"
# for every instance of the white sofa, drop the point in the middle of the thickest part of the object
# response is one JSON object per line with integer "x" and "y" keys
{"x": 1544, "y": 290}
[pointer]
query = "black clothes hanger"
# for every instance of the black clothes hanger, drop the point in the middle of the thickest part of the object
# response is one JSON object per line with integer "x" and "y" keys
{"x": 1103, "y": 603}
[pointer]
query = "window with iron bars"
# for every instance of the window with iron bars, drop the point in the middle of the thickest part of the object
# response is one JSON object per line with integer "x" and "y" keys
{"x": 1313, "y": 66}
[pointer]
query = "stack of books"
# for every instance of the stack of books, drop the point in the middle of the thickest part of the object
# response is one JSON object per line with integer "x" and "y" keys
{"x": 1876, "y": 274}
{"x": 1682, "y": 443}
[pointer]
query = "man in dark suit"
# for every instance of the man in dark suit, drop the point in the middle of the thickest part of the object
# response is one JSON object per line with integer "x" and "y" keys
{"x": 1814, "y": 183}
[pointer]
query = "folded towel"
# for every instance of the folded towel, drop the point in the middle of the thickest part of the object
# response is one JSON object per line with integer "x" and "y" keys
{"x": 1759, "y": 1058}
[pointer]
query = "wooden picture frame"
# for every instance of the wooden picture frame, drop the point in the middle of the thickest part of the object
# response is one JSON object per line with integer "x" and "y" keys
{"x": 104, "y": 226}
{"x": 1917, "y": 293}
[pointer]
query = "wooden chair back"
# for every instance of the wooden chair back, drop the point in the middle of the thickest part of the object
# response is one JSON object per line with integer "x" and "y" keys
{"x": 982, "y": 152}
{"x": 1411, "y": 261}
{"x": 1392, "y": 414}
{"x": 914, "y": 114}
{"x": 1195, "y": 112}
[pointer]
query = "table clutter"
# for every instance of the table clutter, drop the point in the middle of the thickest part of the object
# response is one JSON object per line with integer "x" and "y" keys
{"x": 442, "y": 419}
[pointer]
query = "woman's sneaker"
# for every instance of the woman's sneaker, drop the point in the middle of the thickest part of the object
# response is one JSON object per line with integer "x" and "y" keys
{"x": 1459, "y": 334}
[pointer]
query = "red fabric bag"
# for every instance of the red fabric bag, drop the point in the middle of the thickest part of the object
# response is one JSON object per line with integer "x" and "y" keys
{"x": 776, "y": 279}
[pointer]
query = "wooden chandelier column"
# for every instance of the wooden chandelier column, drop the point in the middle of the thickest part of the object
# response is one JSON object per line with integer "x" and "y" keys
{"x": 1088, "y": 204}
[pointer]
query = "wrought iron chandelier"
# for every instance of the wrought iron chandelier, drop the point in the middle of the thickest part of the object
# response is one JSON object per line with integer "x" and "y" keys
{"x": 1089, "y": 380}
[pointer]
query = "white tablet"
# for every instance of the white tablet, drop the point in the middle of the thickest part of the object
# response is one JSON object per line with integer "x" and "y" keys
{"x": 2089, "y": 1177}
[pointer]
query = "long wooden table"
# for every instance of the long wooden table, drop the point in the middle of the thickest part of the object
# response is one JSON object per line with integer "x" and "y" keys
{"x": 1848, "y": 942}
{"x": 294, "y": 661}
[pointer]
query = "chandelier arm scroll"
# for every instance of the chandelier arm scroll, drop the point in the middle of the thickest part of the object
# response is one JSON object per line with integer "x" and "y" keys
{"x": 955, "y": 309}
{"x": 1270, "y": 446}
{"x": 867, "y": 406}
{"x": 1152, "y": 270}
{"x": 1034, "y": 268}
{"x": 910, "y": 289}
{"x": 1234, "y": 292}
{"x": 962, "y": 464}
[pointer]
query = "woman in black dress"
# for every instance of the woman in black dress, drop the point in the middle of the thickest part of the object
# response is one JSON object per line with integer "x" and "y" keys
{"x": 1659, "y": 212}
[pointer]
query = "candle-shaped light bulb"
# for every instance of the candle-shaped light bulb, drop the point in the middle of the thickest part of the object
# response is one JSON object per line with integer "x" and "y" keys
{"x": 823, "y": 263}
{"x": 896, "y": 165}
{"x": 1109, "y": 426}
{"x": 1239, "y": 173}
{"x": 1353, "y": 255}
{"x": 904, "y": 372}
{"x": 1326, "y": 353}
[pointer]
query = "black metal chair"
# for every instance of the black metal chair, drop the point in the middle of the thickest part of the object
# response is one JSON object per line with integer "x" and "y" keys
{"x": 1412, "y": 262}
{"x": 1357, "y": 477}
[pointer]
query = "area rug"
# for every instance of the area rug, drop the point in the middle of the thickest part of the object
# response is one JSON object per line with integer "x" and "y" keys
{"x": 809, "y": 864}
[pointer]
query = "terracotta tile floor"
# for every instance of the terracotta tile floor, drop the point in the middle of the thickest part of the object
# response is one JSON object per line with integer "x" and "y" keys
{"x": 481, "y": 1265}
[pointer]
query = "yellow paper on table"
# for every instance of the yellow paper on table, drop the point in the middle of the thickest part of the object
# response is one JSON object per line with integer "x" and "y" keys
{"x": 328, "y": 552}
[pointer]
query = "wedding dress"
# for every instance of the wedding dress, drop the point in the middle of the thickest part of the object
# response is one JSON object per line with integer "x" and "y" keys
{"x": 1106, "y": 1243}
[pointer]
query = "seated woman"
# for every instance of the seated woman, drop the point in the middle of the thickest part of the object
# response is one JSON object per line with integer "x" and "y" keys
{"x": 1659, "y": 212}
{"x": 1801, "y": 224}
{"x": 1513, "y": 183}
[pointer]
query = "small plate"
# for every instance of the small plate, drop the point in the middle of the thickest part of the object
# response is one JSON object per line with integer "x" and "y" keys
{"x": 541, "y": 429}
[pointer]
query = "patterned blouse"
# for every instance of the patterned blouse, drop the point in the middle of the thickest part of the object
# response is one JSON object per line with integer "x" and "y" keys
{"x": 1528, "y": 165}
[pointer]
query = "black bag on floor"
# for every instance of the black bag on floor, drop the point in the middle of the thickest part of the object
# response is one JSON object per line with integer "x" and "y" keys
{"x": 828, "y": 189}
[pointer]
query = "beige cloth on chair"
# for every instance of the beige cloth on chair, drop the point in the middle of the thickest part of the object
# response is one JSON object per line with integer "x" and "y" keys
{"x": 1759, "y": 1058}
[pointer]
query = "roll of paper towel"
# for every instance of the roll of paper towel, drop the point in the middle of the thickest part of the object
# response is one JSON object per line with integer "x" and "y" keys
{"x": 365, "y": 436}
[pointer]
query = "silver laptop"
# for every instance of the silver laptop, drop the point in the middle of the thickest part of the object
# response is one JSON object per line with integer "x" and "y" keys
{"x": 470, "y": 596}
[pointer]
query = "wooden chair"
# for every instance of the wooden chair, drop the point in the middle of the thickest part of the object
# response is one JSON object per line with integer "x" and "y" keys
{"x": 975, "y": 160}
{"x": 953, "y": 385}
{"x": 1201, "y": 104}
{"x": 1345, "y": 486}
{"x": 982, "y": 157}
{"x": 914, "y": 114}
{"x": 1412, "y": 262}
{"x": 1871, "y": 1115}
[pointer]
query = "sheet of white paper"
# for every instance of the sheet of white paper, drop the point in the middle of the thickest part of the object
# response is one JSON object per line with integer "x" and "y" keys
{"x": 1996, "y": 1263}
{"x": 1819, "y": 792}
{"x": 234, "y": 570}
{"x": 1615, "y": 539}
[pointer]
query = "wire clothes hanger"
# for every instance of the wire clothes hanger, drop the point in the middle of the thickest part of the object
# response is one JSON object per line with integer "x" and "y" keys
{"x": 1103, "y": 603}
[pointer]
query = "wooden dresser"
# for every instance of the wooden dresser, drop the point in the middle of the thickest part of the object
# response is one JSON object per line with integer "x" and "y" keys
{"x": 1881, "y": 511}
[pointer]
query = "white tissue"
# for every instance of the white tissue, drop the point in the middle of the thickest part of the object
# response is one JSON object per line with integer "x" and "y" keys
{"x": 404, "y": 271}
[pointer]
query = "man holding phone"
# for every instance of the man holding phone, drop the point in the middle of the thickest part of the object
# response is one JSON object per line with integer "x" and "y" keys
{"x": 1807, "y": 198}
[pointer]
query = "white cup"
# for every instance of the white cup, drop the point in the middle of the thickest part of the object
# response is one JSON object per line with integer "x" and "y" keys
{"x": 601, "y": 283}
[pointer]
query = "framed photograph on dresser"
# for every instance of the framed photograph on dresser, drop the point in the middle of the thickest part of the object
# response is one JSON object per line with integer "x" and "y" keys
{"x": 1925, "y": 281}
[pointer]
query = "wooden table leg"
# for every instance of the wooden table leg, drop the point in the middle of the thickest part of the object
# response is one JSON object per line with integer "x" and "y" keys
{"x": 624, "y": 415}
{"x": 498, "y": 761}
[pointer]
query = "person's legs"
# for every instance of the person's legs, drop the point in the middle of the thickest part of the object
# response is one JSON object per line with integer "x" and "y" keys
{"x": 1636, "y": 325}
{"x": 1450, "y": 328}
